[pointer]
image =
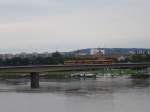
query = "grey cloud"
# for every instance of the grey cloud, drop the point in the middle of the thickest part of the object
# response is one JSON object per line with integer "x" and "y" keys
{"x": 19, "y": 8}
{"x": 68, "y": 24}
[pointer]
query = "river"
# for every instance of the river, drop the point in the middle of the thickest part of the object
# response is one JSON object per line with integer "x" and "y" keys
{"x": 103, "y": 94}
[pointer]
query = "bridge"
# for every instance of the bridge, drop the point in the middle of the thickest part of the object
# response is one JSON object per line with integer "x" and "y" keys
{"x": 35, "y": 70}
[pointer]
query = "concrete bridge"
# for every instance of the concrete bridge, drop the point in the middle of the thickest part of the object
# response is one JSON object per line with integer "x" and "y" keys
{"x": 35, "y": 70}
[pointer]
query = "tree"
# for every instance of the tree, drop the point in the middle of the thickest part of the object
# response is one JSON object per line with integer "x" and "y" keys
{"x": 57, "y": 58}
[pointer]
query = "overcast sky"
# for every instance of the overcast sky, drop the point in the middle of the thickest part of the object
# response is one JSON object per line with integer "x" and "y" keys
{"x": 49, "y": 25}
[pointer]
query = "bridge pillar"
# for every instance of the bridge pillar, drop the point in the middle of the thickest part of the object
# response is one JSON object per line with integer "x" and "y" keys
{"x": 34, "y": 80}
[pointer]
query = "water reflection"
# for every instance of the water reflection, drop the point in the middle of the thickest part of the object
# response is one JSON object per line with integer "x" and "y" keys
{"x": 118, "y": 94}
{"x": 76, "y": 86}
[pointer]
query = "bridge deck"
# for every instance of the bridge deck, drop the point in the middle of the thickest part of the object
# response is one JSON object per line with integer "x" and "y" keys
{"x": 36, "y": 69}
{"x": 53, "y": 68}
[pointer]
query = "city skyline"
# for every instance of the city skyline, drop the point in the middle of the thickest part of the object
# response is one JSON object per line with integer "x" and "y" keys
{"x": 50, "y": 25}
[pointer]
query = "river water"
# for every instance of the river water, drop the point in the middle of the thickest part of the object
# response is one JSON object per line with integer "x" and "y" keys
{"x": 103, "y": 94}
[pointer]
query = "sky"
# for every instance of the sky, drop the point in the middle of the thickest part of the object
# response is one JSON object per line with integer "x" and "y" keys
{"x": 64, "y": 25}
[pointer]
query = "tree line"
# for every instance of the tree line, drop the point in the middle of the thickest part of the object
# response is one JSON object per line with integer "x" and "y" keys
{"x": 139, "y": 58}
{"x": 56, "y": 58}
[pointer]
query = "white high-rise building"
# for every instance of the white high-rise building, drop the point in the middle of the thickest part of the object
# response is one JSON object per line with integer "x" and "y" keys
{"x": 94, "y": 51}
{"x": 102, "y": 51}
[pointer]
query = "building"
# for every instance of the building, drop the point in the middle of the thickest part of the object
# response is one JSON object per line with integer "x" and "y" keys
{"x": 143, "y": 51}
